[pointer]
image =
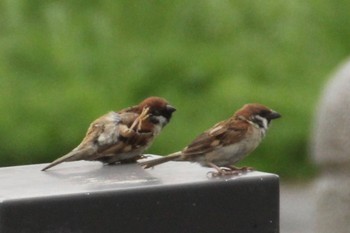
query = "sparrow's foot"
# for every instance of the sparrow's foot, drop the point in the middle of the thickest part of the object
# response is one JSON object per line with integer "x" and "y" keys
{"x": 222, "y": 171}
{"x": 143, "y": 116}
{"x": 242, "y": 169}
{"x": 129, "y": 132}
{"x": 228, "y": 171}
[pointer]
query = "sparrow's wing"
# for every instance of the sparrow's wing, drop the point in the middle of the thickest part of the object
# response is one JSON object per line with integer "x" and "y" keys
{"x": 102, "y": 133}
{"x": 222, "y": 134}
{"x": 108, "y": 133}
{"x": 132, "y": 110}
{"x": 100, "y": 130}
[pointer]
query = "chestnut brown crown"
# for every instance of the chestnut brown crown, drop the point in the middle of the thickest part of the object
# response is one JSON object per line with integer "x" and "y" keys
{"x": 158, "y": 107}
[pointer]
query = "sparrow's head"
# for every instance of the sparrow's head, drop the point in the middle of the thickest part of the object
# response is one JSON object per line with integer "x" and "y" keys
{"x": 257, "y": 114}
{"x": 159, "y": 109}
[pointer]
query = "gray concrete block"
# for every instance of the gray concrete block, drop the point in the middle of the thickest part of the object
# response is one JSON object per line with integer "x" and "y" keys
{"x": 174, "y": 197}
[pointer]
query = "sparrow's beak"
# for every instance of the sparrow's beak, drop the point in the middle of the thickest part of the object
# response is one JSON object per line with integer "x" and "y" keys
{"x": 170, "y": 108}
{"x": 274, "y": 115}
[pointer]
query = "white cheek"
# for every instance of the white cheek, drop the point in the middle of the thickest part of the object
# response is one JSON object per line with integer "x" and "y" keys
{"x": 162, "y": 122}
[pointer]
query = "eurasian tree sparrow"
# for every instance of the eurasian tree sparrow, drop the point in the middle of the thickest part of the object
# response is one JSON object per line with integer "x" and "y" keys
{"x": 227, "y": 142}
{"x": 122, "y": 136}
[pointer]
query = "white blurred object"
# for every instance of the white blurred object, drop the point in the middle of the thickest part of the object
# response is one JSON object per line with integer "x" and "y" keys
{"x": 331, "y": 151}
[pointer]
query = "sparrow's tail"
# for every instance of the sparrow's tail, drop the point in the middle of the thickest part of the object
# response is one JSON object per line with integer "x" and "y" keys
{"x": 74, "y": 155}
{"x": 151, "y": 163}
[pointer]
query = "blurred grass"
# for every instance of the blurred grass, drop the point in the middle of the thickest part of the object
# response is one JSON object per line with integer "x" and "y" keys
{"x": 64, "y": 63}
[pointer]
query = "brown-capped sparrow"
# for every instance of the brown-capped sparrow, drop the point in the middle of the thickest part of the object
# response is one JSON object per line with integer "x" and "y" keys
{"x": 122, "y": 136}
{"x": 227, "y": 142}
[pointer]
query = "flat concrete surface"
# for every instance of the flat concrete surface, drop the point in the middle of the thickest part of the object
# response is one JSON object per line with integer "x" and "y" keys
{"x": 297, "y": 201}
{"x": 81, "y": 176}
{"x": 297, "y": 207}
{"x": 174, "y": 197}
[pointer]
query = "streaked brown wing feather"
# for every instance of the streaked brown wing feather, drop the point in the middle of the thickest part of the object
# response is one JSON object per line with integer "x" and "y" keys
{"x": 93, "y": 132}
{"x": 111, "y": 142}
{"x": 100, "y": 132}
{"x": 104, "y": 133}
{"x": 133, "y": 109}
{"x": 221, "y": 134}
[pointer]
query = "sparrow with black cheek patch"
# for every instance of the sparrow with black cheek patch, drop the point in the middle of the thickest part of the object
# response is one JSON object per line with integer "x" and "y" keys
{"x": 227, "y": 142}
{"x": 122, "y": 136}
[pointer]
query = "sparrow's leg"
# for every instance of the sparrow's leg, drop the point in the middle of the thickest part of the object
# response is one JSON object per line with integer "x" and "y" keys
{"x": 127, "y": 132}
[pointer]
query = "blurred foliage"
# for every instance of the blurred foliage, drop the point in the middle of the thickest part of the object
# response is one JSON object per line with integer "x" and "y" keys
{"x": 64, "y": 63}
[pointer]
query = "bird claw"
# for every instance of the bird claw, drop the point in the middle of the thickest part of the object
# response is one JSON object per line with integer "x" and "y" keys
{"x": 229, "y": 171}
{"x": 144, "y": 114}
{"x": 138, "y": 121}
{"x": 242, "y": 169}
{"x": 224, "y": 171}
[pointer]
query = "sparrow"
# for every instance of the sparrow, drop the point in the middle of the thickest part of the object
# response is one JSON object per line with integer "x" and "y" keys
{"x": 227, "y": 142}
{"x": 122, "y": 136}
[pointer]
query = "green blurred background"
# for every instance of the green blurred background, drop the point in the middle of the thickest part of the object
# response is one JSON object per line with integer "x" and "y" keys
{"x": 64, "y": 63}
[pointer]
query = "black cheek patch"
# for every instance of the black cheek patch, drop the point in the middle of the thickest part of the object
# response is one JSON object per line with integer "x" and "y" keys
{"x": 259, "y": 122}
{"x": 261, "y": 125}
{"x": 154, "y": 120}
